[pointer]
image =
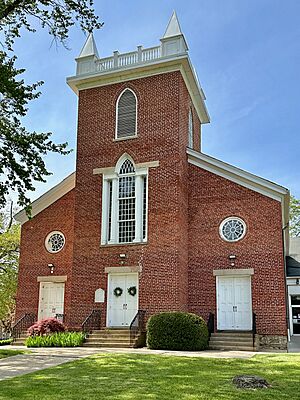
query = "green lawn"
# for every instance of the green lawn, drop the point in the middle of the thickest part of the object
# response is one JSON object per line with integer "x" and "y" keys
{"x": 7, "y": 353}
{"x": 139, "y": 377}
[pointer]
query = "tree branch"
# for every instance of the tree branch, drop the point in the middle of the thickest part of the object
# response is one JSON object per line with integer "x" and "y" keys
{"x": 11, "y": 8}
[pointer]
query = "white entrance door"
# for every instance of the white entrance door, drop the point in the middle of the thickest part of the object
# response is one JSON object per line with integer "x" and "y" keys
{"x": 122, "y": 309}
{"x": 51, "y": 299}
{"x": 234, "y": 303}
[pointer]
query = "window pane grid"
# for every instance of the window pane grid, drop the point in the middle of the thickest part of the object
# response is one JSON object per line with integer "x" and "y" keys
{"x": 126, "y": 231}
{"x": 127, "y": 210}
{"x": 127, "y": 167}
{"x": 127, "y": 201}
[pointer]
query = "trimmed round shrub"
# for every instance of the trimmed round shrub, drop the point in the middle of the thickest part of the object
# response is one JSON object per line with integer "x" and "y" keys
{"x": 45, "y": 327}
{"x": 177, "y": 331}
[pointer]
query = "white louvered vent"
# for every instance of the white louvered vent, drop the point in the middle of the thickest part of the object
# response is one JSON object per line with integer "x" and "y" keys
{"x": 126, "y": 114}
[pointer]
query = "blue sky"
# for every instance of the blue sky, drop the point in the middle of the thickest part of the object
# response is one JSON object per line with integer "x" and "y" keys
{"x": 247, "y": 56}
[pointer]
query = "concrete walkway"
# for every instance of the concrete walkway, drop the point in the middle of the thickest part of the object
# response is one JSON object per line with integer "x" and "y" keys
{"x": 42, "y": 358}
{"x": 294, "y": 345}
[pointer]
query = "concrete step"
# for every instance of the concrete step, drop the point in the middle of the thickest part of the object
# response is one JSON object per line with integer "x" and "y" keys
{"x": 114, "y": 338}
{"x": 231, "y": 347}
{"x": 232, "y": 334}
{"x": 91, "y": 339}
{"x": 110, "y": 335}
{"x": 231, "y": 343}
{"x": 108, "y": 344}
{"x": 19, "y": 343}
{"x": 113, "y": 331}
{"x": 231, "y": 339}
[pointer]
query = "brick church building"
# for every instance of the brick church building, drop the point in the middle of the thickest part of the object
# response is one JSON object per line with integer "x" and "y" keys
{"x": 147, "y": 221}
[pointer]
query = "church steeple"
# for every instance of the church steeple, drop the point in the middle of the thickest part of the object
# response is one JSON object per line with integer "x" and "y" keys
{"x": 86, "y": 61}
{"x": 173, "y": 28}
{"x": 89, "y": 48}
{"x": 173, "y": 41}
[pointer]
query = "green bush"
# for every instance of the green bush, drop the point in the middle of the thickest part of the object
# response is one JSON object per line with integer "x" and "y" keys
{"x": 61, "y": 339}
{"x": 177, "y": 331}
{"x": 5, "y": 342}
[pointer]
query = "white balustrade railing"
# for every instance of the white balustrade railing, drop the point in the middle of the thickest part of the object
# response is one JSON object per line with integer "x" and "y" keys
{"x": 127, "y": 59}
{"x": 123, "y": 60}
{"x": 151, "y": 54}
{"x": 105, "y": 63}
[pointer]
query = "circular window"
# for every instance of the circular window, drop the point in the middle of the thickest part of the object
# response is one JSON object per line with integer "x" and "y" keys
{"x": 55, "y": 242}
{"x": 232, "y": 229}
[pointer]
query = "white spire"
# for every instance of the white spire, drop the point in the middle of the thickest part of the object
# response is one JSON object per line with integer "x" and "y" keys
{"x": 173, "y": 28}
{"x": 89, "y": 48}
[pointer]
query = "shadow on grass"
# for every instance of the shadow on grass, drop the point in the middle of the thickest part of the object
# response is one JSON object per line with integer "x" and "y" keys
{"x": 4, "y": 353}
{"x": 134, "y": 376}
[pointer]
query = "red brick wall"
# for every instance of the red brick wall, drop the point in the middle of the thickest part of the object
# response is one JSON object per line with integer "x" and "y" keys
{"x": 34, "y": 258}
{"x": 212, "y": 199}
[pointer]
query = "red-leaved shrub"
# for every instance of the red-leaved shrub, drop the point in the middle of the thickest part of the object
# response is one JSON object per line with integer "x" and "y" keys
{"x": 45, "y": 327}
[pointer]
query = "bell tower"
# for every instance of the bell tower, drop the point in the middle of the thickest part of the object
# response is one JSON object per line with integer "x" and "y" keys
{"x": 137, "y": 114}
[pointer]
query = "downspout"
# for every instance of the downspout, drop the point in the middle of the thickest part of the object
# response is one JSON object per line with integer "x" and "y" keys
{"x": 285, "y": 282}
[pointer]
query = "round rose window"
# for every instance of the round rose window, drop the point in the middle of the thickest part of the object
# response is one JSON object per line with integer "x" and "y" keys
{"x": 55, "y": 242}
{"x": 232, "y": 229}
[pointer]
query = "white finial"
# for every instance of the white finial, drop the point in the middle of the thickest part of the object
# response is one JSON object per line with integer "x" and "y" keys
{"x": 173, "y": 28}
{"x": 89, "y": 48}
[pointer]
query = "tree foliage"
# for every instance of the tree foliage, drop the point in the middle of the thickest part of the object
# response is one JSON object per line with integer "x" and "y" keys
{"x": 9, "y": 258}
{"x": 21, "y": 151}
{"x": 294, "y": 217}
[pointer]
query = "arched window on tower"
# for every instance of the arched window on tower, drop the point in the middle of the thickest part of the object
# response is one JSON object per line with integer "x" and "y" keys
{"x": 190, "y": 143}
{"x": 126, "y": 114}
{"x": 124, "y": 204}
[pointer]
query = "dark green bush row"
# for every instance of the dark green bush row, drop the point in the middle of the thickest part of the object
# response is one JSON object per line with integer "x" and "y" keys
{"x": 61, "y": 339}
{"x": 177, "y": 331}
{"x": 4, "y": 342}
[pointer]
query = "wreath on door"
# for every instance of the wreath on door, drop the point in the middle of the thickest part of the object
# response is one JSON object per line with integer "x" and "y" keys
{"x": 118, "y": 291}
{"x": 132, "y": 290}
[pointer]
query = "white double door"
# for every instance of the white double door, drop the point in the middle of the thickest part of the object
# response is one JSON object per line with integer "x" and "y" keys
{"x": 51, "y": 300}
{"x": 234, "y": 303}
{"x": 122, "y": 303}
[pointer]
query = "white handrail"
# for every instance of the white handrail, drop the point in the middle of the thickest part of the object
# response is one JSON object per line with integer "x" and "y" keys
{"x": 141, "y": 56}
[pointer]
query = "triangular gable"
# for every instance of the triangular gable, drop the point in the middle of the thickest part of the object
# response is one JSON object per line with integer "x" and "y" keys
{"x": 48, "y": 198}
{"x": 246, "y": 179}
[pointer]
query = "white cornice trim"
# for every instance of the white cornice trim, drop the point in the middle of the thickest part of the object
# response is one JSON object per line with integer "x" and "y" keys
{"x": 48, "y": 198}
{"x": 237, "y": 175}
{"x": 180, "y": 62}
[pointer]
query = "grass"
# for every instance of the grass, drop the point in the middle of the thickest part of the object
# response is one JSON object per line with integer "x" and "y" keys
{"x": 140, "y": 377}
{"x": 8, "y": 353}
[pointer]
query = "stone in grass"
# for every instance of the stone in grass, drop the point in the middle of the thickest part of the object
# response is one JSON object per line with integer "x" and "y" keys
{"x": 250, "y": 382}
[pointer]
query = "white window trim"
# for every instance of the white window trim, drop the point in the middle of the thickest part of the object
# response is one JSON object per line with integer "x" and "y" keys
{"x": 140, "y": 172}
{"x": 134, "y": 135}
{"x": 191, "y": 130}
{"x": 228, "y": 219}
{"x": 48, "y": 237}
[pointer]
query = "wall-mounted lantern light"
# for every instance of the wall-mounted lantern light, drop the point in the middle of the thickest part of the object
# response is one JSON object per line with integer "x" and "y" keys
{"x": 51, "y": 267}
{"x": 232, "y": 259}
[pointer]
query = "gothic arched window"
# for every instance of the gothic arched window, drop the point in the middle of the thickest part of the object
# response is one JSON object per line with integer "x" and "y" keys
{"x": 126, "y": 200}
{"x": 126, "y": 114}
{"x": 124, "y": 212}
